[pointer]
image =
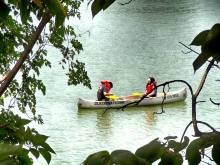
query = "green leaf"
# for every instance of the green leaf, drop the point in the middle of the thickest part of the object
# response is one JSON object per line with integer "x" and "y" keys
{"x": 51, "y": 6}
{"x": 60, "y": 17}
{"x": 23, "y": 5}
{"x": 28, "y": 135}
{"x": 210, "y": 48}
{"x": 210, "y": 45}
{"x": 216, "y": 56}
{"x": 192, "y": 152}
{"x": 215, "y": 31}
{"x": 200, "y": 38}
{"x": 216, "y": 153}
{"x": 200, "y": 60}
{"x": 3, "y": 131}
{"x": 35, "y": 152}
{"x": 170, "y": 158}
{"x": 208, "y": 138}
{"x": 151, "y": 151}
{"x": 124, "y": 157}
{"x": 37, "y": 2}
{"x": 1, "y": 101}
{"x": 45, "y": 154}
{"x": 29, "y": 92}
{"x": 4, "y": 11}
{"x": 25, "y": 121}
{"x": 10, "y": 161}
{"x": 48, "y": 148}
{"x": 97, "y": 6}
{"x": 39, "y": 139}
{"x": 98, "y": 158}
{"x": 193, "y": 155}
{"x": 57, "y": 9}
{"x": 216, "y": 138}
{"x": 107, "y": 3}
{"x": 176, "y": 146}
{"x": 3, "y": 157}
{"x": 43, "y": 89}
{"x": 25, "y": 159}
{"x": 185, "y": 142}
{"x": 7, "y": 149}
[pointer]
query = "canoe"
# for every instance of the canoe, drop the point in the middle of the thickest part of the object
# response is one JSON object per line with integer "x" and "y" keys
{"x": 170, "y": 97}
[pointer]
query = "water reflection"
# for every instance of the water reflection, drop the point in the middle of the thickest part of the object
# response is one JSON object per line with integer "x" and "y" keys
{"x": 150, "y": 117}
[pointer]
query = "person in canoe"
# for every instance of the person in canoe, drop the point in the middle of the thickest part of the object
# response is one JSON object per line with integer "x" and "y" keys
{"x": 151, "y": 84}
{"x": 4, "y": 76}
{"x": 104, "y": 90}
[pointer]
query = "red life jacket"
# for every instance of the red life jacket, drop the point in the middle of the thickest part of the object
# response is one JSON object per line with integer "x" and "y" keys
{"x": 149, "y": 87}
{"x": 106, "y": 83}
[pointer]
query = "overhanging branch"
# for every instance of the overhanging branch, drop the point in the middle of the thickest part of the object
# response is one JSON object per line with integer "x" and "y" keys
{"x": 135, "y": 103}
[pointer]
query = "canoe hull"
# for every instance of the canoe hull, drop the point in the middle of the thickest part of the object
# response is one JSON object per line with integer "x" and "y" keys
{"x": 170, "y": 97}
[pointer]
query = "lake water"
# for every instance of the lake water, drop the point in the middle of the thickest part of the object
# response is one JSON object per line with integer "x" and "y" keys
{"x": 126, "y": 45}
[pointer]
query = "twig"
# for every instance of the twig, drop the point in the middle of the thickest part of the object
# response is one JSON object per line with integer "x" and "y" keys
{"x": 125, "y": 2}
{"x": 4, "y": 125}
{"x": 191, "y": 50}
{"x": 214, "y": 102}
{"x": 201, "y": 122}
{"x": 164, "y": 84}
{"x": 185, "y": 131}
{"x": 200, "y": 102}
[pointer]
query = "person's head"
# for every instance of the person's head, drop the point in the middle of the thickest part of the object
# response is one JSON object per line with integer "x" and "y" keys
{"x": 150, "y": 80}
{"x": 111, "y": 84}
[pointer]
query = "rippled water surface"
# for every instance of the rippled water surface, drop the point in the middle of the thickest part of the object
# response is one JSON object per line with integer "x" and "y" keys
{"x": 127, "y": 44}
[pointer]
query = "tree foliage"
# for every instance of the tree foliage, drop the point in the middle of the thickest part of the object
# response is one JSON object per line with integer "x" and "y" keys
{"x": 209, "y": 41}
{"x": 27, "y": 24}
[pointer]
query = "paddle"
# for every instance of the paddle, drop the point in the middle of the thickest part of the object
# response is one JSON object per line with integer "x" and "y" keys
{"x": 137, "y": 94}
{"x": 113, "y": 97}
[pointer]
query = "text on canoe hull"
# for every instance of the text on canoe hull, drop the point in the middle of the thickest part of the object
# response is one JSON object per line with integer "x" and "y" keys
{"x": 108, "y": 102}
{"x": 172, "y": 96}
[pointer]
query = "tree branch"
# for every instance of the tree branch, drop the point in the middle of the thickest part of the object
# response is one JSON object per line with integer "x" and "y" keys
{"x": 4, "y": 125}
{"x": 125, "y": 2}
{"x": 214, "y": 102}
{"x": 191, "y": 50}
{"x": 46, "y": 18}
{"x": 202, "y": 82}
{"x": 164, "y": 84}
{"x": 213, "y": 129}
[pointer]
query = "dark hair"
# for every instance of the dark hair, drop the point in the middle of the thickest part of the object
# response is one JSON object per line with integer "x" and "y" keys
{"x": 111, "y": 84}
{"x": 152, "y": 79}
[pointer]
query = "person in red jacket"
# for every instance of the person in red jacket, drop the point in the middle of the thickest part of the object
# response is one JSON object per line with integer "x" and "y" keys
{"x": 151, "y": 90}
{"x": 104, "y": 90}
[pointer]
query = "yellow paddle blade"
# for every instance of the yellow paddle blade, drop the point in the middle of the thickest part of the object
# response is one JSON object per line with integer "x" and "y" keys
{"x": 113, "y": 97}
{"x": 137, "y": 94}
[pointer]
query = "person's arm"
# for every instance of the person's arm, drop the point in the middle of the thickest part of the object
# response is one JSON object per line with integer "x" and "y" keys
{"x": 145, "y": 93}
{"x": 2, "y": 78}
{"x": 108, "y": 93}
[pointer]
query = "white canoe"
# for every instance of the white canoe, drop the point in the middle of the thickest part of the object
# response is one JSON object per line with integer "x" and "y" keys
{"x": 175, "y": 96}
